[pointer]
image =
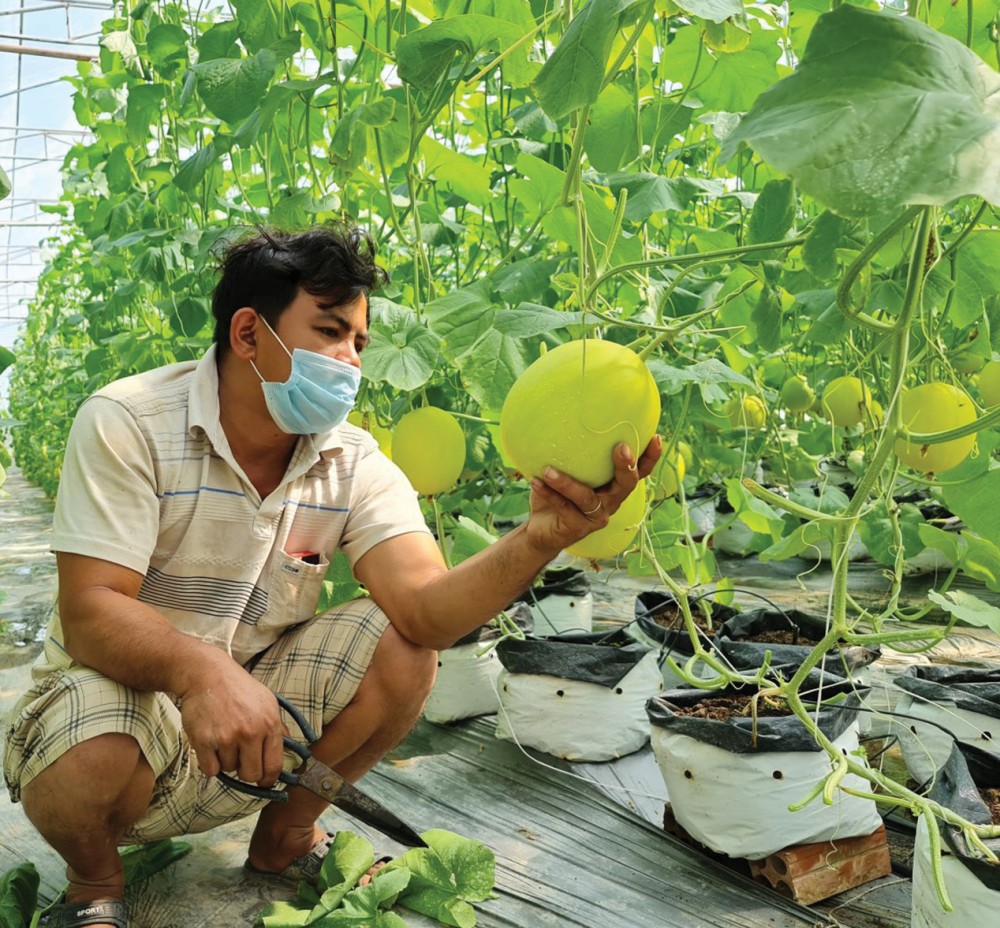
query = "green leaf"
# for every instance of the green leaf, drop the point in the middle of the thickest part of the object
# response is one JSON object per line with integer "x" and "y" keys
{"x": 471, "y": 862}
{"x": 523, "y": 280}
{"x": 7, "y": 358}
{"x": 284, "y": 915}
{"x": 466, "y": 539}
{"x": 882, "y": 112}
{"x": 121, "y": 43}
{"x": 968, "y": 609}
{"x": 193, "y": 170}
{"x": 425, "y": 56}
{"x": 652, "y": 193}
{"x": 573, "y": 74}
{"x": 405, "y": 358}
{"x": 165, "y": 43}
{"x": 953, "y": 19}
{"x": 219, "y": 41}
{"x": 724, "y": 82}
{"x": 432, "y": 889}
{"x": 490, "y": 367}
{"x": 981, "y": 560}
{"x": 978, "y": 281}
{"x": 460, "y": 173}
{"x": 716, "y": 11}
{"x": 339, "y": 584}
{"x": 461, "y": 318}
{"x": 349, "y": 858}
{"x": 528, "y": 320}
{"x": 707, "y": 374}
{"x": 144, "y": 108}
{"x": 349, "y": 144}
{"x": 232, "y": 88}
{"x": 361, "y": 906}
{"x": 661, "y": 120}
{"x": 950, "y": 543}
{"x": 773, "y": 213}
{"x": 611, "y": 139}
{"x": 976, "y": 502}
{"x": 754, "y": 513}
{"x": 875, "y": 530}
{"x": 18, "y": 895}
{"x": 258, "y": 26}
{"x": 819, "y": 253}
{"x": 142, "y": 861}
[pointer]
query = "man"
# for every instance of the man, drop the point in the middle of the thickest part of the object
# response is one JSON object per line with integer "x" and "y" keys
{"x": 198, "y": 508}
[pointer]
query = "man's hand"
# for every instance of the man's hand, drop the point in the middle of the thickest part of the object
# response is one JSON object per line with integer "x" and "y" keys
{"x": 234, "y": 725}
{"x": 563, "y": 510}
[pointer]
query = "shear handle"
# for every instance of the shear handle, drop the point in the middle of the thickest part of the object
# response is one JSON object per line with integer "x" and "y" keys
{"x": 291, "y": 779}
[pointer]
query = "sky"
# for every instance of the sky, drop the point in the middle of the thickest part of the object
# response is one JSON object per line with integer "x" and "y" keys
{"x": 36, "y": 129}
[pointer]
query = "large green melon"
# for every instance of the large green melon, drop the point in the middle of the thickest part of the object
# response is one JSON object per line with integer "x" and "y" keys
{"x": 574, "y": 404}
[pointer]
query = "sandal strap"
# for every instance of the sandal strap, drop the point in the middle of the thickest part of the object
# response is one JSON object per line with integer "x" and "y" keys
{"x": 80, "y": 915}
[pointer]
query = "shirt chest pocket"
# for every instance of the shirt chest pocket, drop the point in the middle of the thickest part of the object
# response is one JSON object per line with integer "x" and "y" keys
{"x": 293, "y": 590}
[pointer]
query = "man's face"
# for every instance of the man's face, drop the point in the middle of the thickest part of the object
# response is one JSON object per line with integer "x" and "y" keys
{"x": 311, "y": 323}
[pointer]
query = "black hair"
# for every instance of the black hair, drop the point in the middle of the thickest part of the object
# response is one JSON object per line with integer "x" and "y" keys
{"x": 335, "y": 261}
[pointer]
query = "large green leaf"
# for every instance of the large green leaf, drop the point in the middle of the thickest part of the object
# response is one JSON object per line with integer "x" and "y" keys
{"x": 968, "y": 608}
{"x": 405, "y": 357}
{"x": 166, "y": 43}
{"x": 883, "y": 112}
{"x": 145, "y": 102}
{"x": 573, "y": 74}
{"x": 976, "y": 502}
{"x": 233, "y": 88}
{"x": 611, "y": 139}
{"x": 18, "y": 896}
{"x": 425, "y": 55}
{"x": 461, "y": 318}
{"x": 978, "y": 280}
{"x": 7, "y": 358}
{"x": 460, "y": 173}
{"x": 4, "y": 184}
{"x": 258, "y": 25}
{"x": 773, "y": 213}
{"x": 954, "y": 19}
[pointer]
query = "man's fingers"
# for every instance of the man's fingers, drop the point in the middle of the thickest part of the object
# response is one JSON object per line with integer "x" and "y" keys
{"x": 274, "y": 756}
{"x": 650, "y": 456}
{"x": 563, "y": 491}
{"x": 208, "y": 762}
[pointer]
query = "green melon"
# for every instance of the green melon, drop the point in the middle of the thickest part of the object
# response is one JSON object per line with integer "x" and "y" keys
{"x": 574, "y": 405}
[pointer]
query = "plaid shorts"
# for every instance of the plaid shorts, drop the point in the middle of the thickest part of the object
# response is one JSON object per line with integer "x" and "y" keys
{"x": 317, "y": 665}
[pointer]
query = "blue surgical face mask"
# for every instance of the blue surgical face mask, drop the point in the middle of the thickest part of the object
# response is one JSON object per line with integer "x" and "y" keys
{"x": 317, "y": 396}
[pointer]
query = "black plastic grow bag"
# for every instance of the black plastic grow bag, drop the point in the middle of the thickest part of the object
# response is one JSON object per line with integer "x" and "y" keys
{"x": 675, "y": 642}
{"x": 733, "y": 641}
{"x": 737, "y": 735}
{"x": 590, "y": 657}
{"x": 970, "y": 688}
{"x": 956, "y": 787}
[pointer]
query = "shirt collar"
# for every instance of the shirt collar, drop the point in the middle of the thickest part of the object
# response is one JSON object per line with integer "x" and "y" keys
{"x": 203, "y": 411}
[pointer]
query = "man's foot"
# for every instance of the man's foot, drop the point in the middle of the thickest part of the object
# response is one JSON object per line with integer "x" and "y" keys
{"x": 304, "y": 866}
{"x": 97, "y": 913}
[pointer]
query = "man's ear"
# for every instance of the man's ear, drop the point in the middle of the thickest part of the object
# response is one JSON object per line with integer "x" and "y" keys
{"x": 243, "y": 333}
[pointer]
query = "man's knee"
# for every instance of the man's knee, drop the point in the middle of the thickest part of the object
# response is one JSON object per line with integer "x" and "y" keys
{"x": 107, "y": 775}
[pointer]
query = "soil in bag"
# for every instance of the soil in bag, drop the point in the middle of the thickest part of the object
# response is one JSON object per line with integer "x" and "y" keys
{"x": 659, "y": 617}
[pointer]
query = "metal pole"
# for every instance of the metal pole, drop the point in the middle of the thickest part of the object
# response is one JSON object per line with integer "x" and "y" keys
{"x": 47, "y": 52}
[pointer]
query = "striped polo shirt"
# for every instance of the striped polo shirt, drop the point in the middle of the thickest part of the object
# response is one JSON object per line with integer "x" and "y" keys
{"x": 149, "y": 482}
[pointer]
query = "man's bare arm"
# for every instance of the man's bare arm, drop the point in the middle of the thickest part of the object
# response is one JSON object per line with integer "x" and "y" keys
{"x": 433, "y": 606}
{"x": 232, "y": 720}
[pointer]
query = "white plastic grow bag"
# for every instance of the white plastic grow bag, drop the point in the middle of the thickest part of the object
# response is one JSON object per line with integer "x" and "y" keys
{"x": 737, "y": 804}
{"x": 975, "y": 905}
{"x": 558, "y": 614}
{"x": 926, "y": 747}
{"x": 883, "y": 695}
{"x": 465, "y": 685}
{"x": 574, "y": 720}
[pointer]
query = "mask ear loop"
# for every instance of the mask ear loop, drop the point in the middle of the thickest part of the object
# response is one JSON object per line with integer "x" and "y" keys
{"x": 278, "y": 340}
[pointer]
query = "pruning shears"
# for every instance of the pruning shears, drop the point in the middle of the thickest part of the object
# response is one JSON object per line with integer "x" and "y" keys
{"x": 319, "y": 779}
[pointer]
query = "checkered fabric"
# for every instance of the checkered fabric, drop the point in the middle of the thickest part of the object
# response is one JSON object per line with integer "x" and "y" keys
{"x": 318, "y": 666}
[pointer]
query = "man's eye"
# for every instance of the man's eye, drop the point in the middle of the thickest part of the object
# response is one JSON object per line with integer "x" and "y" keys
{"x": 329, "y": 333}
